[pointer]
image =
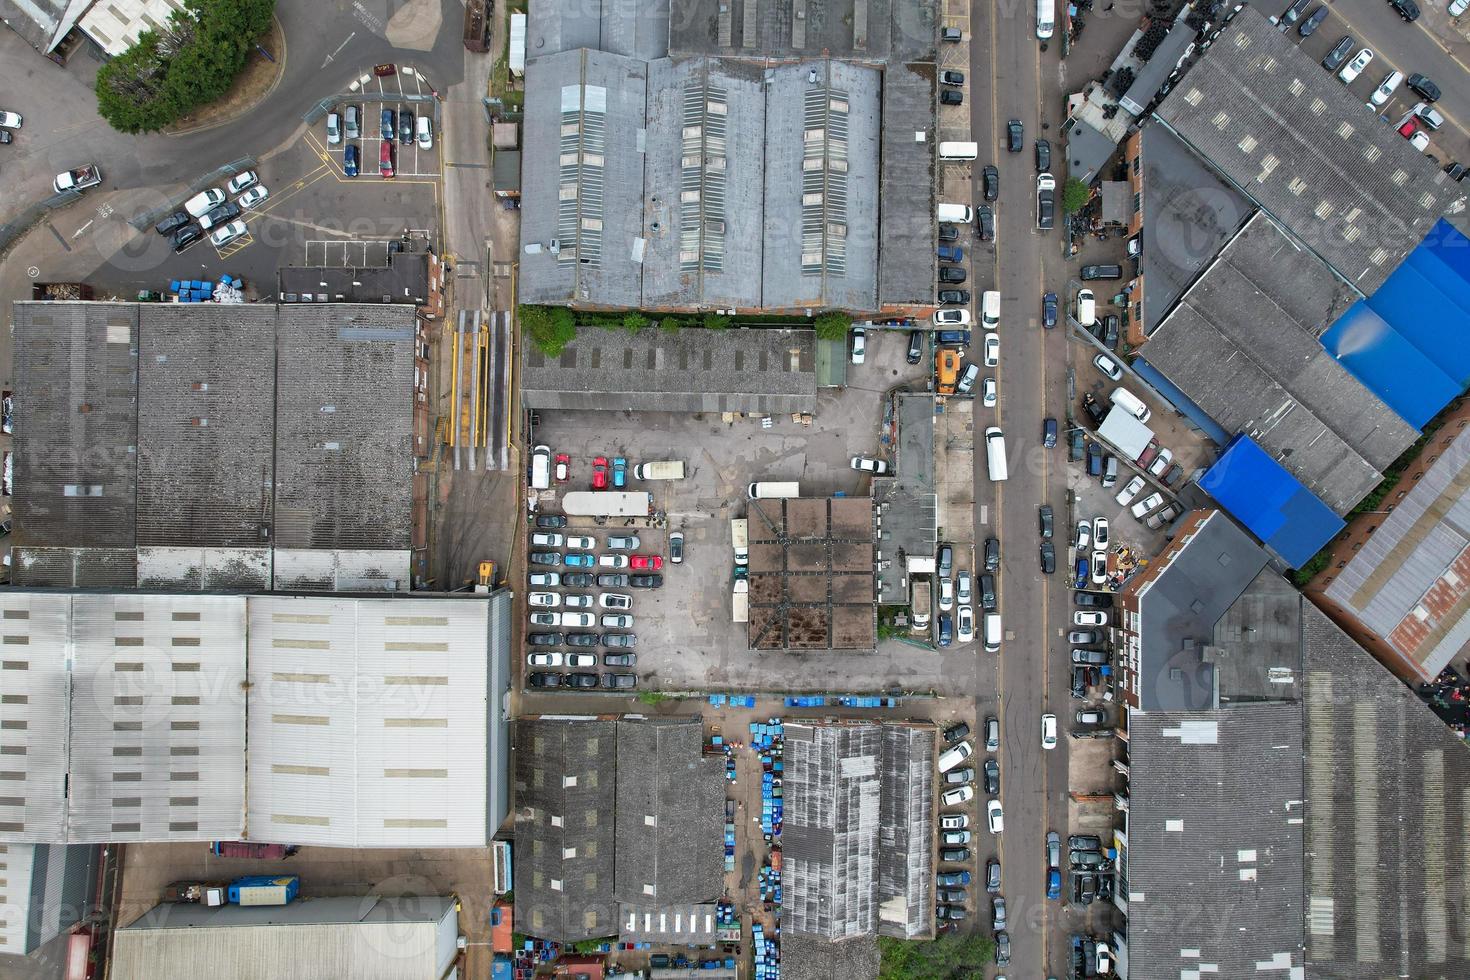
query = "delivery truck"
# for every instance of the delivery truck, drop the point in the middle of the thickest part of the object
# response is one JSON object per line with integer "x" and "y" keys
{"x": 921, "y": 602}
{"x": 740, "y": 600}
{"x": 669, "y": 469}
{"x": 740, "y": 540}
{"x": 264, "y": 890}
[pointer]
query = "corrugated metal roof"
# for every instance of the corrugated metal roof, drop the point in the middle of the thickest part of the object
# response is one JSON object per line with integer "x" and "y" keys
{"x": 34, "y": 710}
{"x": 157, "y": 718}
{"x": 368, "y": 722}
{"x": 367, "y": 938}
{"x": 305, "y": 570}
{"x": 17, "y": 861}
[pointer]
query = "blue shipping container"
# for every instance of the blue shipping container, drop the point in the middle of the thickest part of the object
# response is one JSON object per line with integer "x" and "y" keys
{"x": 264, "y": 889}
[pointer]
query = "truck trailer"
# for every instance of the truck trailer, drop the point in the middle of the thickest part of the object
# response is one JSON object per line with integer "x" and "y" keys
{"x": 607, "y": 503}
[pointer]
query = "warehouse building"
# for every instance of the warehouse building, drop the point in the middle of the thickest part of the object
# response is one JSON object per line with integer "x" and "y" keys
{"x": 619, "y": 828}
{"x": 368, "y": 938}
{"x": 857, "y": 842}
{"x": 216, "y": 447}
{"x": 373, "y": 721}
{"x": 45, "y": 890}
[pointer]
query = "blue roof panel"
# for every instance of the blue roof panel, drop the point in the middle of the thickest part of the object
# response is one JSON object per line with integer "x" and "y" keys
{"x": 1270, "y": 502}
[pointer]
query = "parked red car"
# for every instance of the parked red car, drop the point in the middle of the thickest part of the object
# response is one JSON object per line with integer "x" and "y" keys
{"x": 599, "y": 473}
{"x": 646, "y": 563}
{"x": 563, "y": 467}
{"x": 385, "y": 159}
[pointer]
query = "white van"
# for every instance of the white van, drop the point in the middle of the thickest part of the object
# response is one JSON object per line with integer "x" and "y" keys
{"x": 541, "y": 468}
{"x": 992, "y": 632}
{"x": 958, "y": 151}
{"x": 955, "y": 756}
{"x": 995, "y": 453}
{"x": 960, "y": 214}
{"x": 1086, "y": 307}
{"x": 1131, "y": 403}
{"x": 1045, "y": 19}
{"x": 990, "y": 309}
{"x": 771, "y": 491}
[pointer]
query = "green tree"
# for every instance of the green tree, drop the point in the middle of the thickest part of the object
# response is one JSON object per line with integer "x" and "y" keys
{"x": 1074, "y": 195}
{"x": 833, "y": 325}
{"x": 716, "y": 321}
{"x": 634, "y": 321}
{"x": 551, "y": 327}
{"x": 191, "y": 61}
{"x": 948, "y": 957}
{"x": 653, "y": 697}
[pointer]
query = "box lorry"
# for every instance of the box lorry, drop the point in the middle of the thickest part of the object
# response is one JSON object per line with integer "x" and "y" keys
{"x": 670, "y": 469}
{"x": 740, "y": 540}
{"x": 740, "y": 601}
{"x": 768, "y": 490}
{"x": 264, "y": 889}
{"x": 77, "y": 180}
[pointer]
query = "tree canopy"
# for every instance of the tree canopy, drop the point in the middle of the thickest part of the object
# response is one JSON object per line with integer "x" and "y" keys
{"x": 950, "y": 956}
{"x": 190, "y": 62}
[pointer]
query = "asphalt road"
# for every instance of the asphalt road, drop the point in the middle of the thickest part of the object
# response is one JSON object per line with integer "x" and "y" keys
{"x": 1028, "y": 681}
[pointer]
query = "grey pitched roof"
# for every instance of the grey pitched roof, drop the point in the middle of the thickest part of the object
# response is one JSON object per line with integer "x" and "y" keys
{"x": 206, "y": 396}
{"x": 1243, "y": 345}
{"x": 582, "y": 179}
{"x": 906, "y": 256}
{"x": 1188, "y": 214}
{"x": 565, "y": 775}
{"x": 344, "y": 450}
{"x": 1308, "y": 150}
{"x": 852, "y": 791}
{"x": 813, "y": 958}
{"x": 1178, "y": 610}
{"x": 1214, "y": 868}
{"x": 694, "y": 370}
{"x": 1387, "y": 785}
{"x": 636, "y": 28}
{"x": 862, "y": 30}
{"x": 76, "y": 424}
{"x": 670, "y": 815}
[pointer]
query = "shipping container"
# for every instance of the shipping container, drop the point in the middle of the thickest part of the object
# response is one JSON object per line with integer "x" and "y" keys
{"x": 264, "y": 889}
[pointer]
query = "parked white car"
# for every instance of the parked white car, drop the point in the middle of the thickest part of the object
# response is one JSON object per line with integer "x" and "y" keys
{"x": 578, "y": 619}
{"x": 958, "y": 795}
{"x": 200, "y": 204}
{"x": 224, "y": 236}
{"x": 241, "y": 181}
{"x": 1354, "y": 68}
{"x": 544, "y": 659}
{"x": 1130, "y": 490}
{"x": 994, "y": 817}
{"x": 992, "y": 350}
{"x": 615, "y": 600}
{"x": 1084, "y": 536}
{"x": 545, "y": 600}
{"x": 581, "y": 660}
{"x": 9, "y": 120}
{"x": 253, "y": 197}
{"x": 1085, "y": 617}
{"x": 579, "y": 601}
{"x": 544, "y": 539}
{"x": 946, "y": 594}
{"x": 581, "y": 542}
{"x": 1100, "y": 533}
{"x": 1391, "y": 82}
{"x": 612, "y": 561}
{"x": 952, "y": 318}
{"x": 1147, "y": 504}
{"x": 1048, "y": 731}
{"x": 424, "y": 132}
{"x": 1161, "y": 462}
{"x": 965, "y": 624}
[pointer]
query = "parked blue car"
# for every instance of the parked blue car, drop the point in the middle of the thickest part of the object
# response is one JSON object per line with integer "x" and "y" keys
{"x": 349, "y": 161}
{"x": 1081, "y": 573}
{"x": 578, "y": 560}
{"x": 951, "y": 253}
{"x": 946, "y": 629}
{"x": 388, "y": 125}
{"x": 620, "y": 472}
{"x": 1053, "y": 884}
{"x": 953, "y": 879}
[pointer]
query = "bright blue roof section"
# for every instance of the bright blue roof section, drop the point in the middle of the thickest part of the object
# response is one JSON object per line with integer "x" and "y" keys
{"x": 1270, "y": 502}
{"x": 1408, "y": 341}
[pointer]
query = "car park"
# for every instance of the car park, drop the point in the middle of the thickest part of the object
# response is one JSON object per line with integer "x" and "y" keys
{"x": 1309, "y": 26}
{"x": 229, "y": 233}
{"x": 990, "y": 183}
{"x": 1015, "y": 136}
{"x": 1338, "y": 54}
{"x": 1048, "y": 731}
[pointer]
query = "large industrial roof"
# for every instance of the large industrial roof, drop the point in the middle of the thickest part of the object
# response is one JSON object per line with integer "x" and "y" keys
{"x": 1215, "y": 836}
{"x": 369, "y": 722}
{"x": 860, "y": 30}
{"x": 1386, "y": 789}
{"x": 173, "y": 446}
{"x": 367, "y": 938}
{"x": 766, "y": 372}
{"x": 906, "y": 205}
{"x": 373, "y": 721}
{"x": 856, "y": 855}
{"x": 1308, "y": 150}
{"x": 1243, "y": 345}
{"x": 635, "y": 28}
{"x": 1409, "y": 583}
{"x": 812, "y": 574}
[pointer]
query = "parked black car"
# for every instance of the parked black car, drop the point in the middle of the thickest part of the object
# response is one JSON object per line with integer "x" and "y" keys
{"x": 985, "y": 223}
{"x": 952, "y": 912}
{"x": 992, "y": 777}
{"x": 954, "y": 297}
{"x": 1045, "y": 514}
{"x": 1048, "y": 558}
{"x": 992, "y": 876}
{"x": 992, "y": 554}
{"x": 1015, "y": 136}
{"x": 186, "y": 236}
{"x": 1407, "y": 9}
{"x": 951, "y": 96}
{"x": 1049, "y": 310}
{"x": 172, "y": 223}
{"x": 612, "y": 580}
{"x": 990, "y": 182}
{"x": 948, "y": 232}
{"x": 405, "y": 127}
{"x": 951, "y": 77}
{"x": 1306, "y": 27}
{"x": 578, "y": 580}
{"x": 951, "y": 273}
{"x": 544, "y": 639}
{"x": 1084, "y": 842}
{"x": 646, "y": 581}
{"x": 1427, "y": 90}
{"x": 916, "y": 346}
{"x": 1043, "y": 156}
{"x": 953, "y": 735}
{"x": 619, "y": 681}
{"x": 1339, "y": 53}
{"x": 541, "y": 678}
{"x": 581, "y": 639}
{"x": 551, "y": 520}
{"x": 1092, "y": 272}
{"x": 954, "y": 855}
{"x": 1094, "y": 599}
{"x": 987, "y": 592}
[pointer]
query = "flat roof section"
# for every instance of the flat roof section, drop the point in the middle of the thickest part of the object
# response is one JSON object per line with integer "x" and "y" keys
{"x": 811, "y": 574}
{"x": 907, "y": 502}
{"x": 635, "y": 28}
{"x": 76, "y": 424}
{"x": 36, "y": 691}
{"x": 906, "y": 207}
{"x": 758, "y": 371}
{"x": 405, "y": 279}
{"x": 1307, "y": 150}
{"x": 860, "y": 30}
